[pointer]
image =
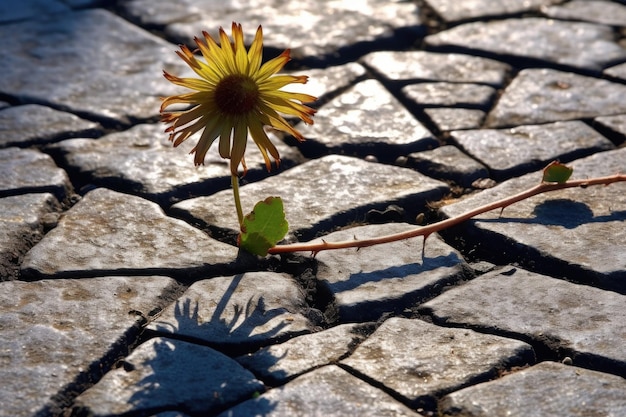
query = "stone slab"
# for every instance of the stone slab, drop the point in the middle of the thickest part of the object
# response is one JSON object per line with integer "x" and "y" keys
{"x": 113, "y": 233}
{"x": 546, "y": 95}
{"x": 22, "y": 220}
{"x": 325, "y": 83}
{"x": 421, "y": 362}
{"x": 522, "y": 149}
{"x": 432, "y": 66}
{"x": 279, "y": 363}
{"x": 618, "y": 71}
{"x": 163, "y": 374}
{"x": 313, "y": 30}
{"x": 120, "y": 66}
{"x": 448, "y": 163}
{"x": 453, "y": 10}
{"x": 583, "y": 45}
{"x": 564, "y": 391}
{"x": 25, "y": 171}
{"x": 599, "y": 11}
{"x": 386, "y": 278}
{"x": 143, "y": 161}
{"x": 64, "y": 334}
{"x": 33, "y": 124}
{"x": 365, "y": 119}
{"x": 329, "y": 391}
{"x": 556, "y": 225}
{"x": 447, "y": 119}
{"x": 615, "y": 124}
{"x": 238, "y": 313}
{"x": 450, "y": 95}
{"x": 584, "y": 323}
{"x": 319, "y": 195}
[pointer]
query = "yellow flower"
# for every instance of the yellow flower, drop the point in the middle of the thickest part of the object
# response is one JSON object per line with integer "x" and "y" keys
{"x": 234, "y": 94}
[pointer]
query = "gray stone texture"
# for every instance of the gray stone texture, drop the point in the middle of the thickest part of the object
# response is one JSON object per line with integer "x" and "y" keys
{"x": 420, "y": 361}
{"x": 597, "y": 11}
{"x": 577, "y": 44}
{"x": 310, "y": 29}
{"x": 113, "y": 233}
{"x": 118, "y": 67}
{"x": 320, "y": 195}
{"x": 547, "y": 95}
{"x": 430, "y": 66}
{"x": 386, "y": 278}
{"x": 366, "y": 118}
{"x": 521, "y": 149}
{"x": 35, "y": 124}
{"x": 166, "y": 373}
{"x": 143, "y": 161}
{"x": 587, "y": 324}
{"x": 328, "y": 391}
{"x": 58, "y": 335}
{"x": 618, "y": 71}
{"x": 28, "y": 9}
{"x": 448, "y": 163}
{"x": 453, "y": 10}
{"x": 238, "y": 312}
{"x": 30, "y": 171}
{"x": 447, "y": 119}
{"x": 282, "y": 362}
{"x": 22, "y": 220}
{"x": 565, "y": 391}
{"x": 559, "y": 224}
{"x": 450, "y": 94}
{"x": 616, "y": 124}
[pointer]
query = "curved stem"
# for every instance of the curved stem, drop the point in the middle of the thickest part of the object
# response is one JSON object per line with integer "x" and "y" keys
{"x": 425, "y": 231}
{"x": 234, "y": 179}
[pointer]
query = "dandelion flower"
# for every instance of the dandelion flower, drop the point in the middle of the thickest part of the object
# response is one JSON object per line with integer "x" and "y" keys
{"x": 234, "y": 95}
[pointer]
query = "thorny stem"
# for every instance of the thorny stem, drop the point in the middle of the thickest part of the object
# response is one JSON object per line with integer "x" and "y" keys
{"x": 425, "y": 231}
{"x": 234, "y": 179}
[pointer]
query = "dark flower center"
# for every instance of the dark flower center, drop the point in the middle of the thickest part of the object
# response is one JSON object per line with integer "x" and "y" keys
{"x": 236, "y": 94}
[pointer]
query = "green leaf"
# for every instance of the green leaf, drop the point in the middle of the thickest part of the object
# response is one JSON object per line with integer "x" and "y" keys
{"x": 557, "y": 172}
{"x": 264, "y": 227}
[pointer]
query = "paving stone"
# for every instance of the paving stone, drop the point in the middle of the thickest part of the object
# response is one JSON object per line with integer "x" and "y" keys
{"x": 585, "y": 323}
{"x": 3, "y": 105}
{"x": 113, "y": 233}
{"x": 583, "y": 45}
{"x": 598, "y": 11}
{"x": 431, "y": 66}
{"x": 311, "y": 29}
{"x": 366, "y": 119}
{"x": 420, "y": 361}
{"x": 21, "y": 227}
{"x": 128, "y": 89}
{"x": 546, "y": 95}
{"x": 34, "y": 124}
{"x": 239, "y": 312}
{"x": 30, "y": 171}
{"x": 450, "y": 94}
{"x": 618, "y": 71}
{"x": 320, "y": 195}
{"x": 163, "y": 373}
{"x": 455, "y": 119}
{"x": 65, "y": 333}
{"x": 451, "y": 10}
{"x": 328, "y": 391}
{"x": 509, "y": 152}
{"x": 616, "y": 124}
{"x": 143, "y": 161}
{"x": 556, "y": 225}
{"x": 387, "y": 278}
{"x": 565, "y": 391}
{"x": 280, "y": 363}
{"x": 28, "y": 9}
{"x": 324, "y": 83}
{"x": 448, "y": 163}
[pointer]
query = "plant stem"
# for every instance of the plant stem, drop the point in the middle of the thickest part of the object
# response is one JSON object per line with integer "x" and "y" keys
{"x": 425, "y": 231}
{"x": 234, "y": 179}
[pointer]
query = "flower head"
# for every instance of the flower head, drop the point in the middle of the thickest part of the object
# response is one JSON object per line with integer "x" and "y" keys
{"x": 234, "y": 95}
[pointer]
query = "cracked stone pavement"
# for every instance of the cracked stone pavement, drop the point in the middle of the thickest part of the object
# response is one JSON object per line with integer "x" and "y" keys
{"x": 123, "y": 292}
